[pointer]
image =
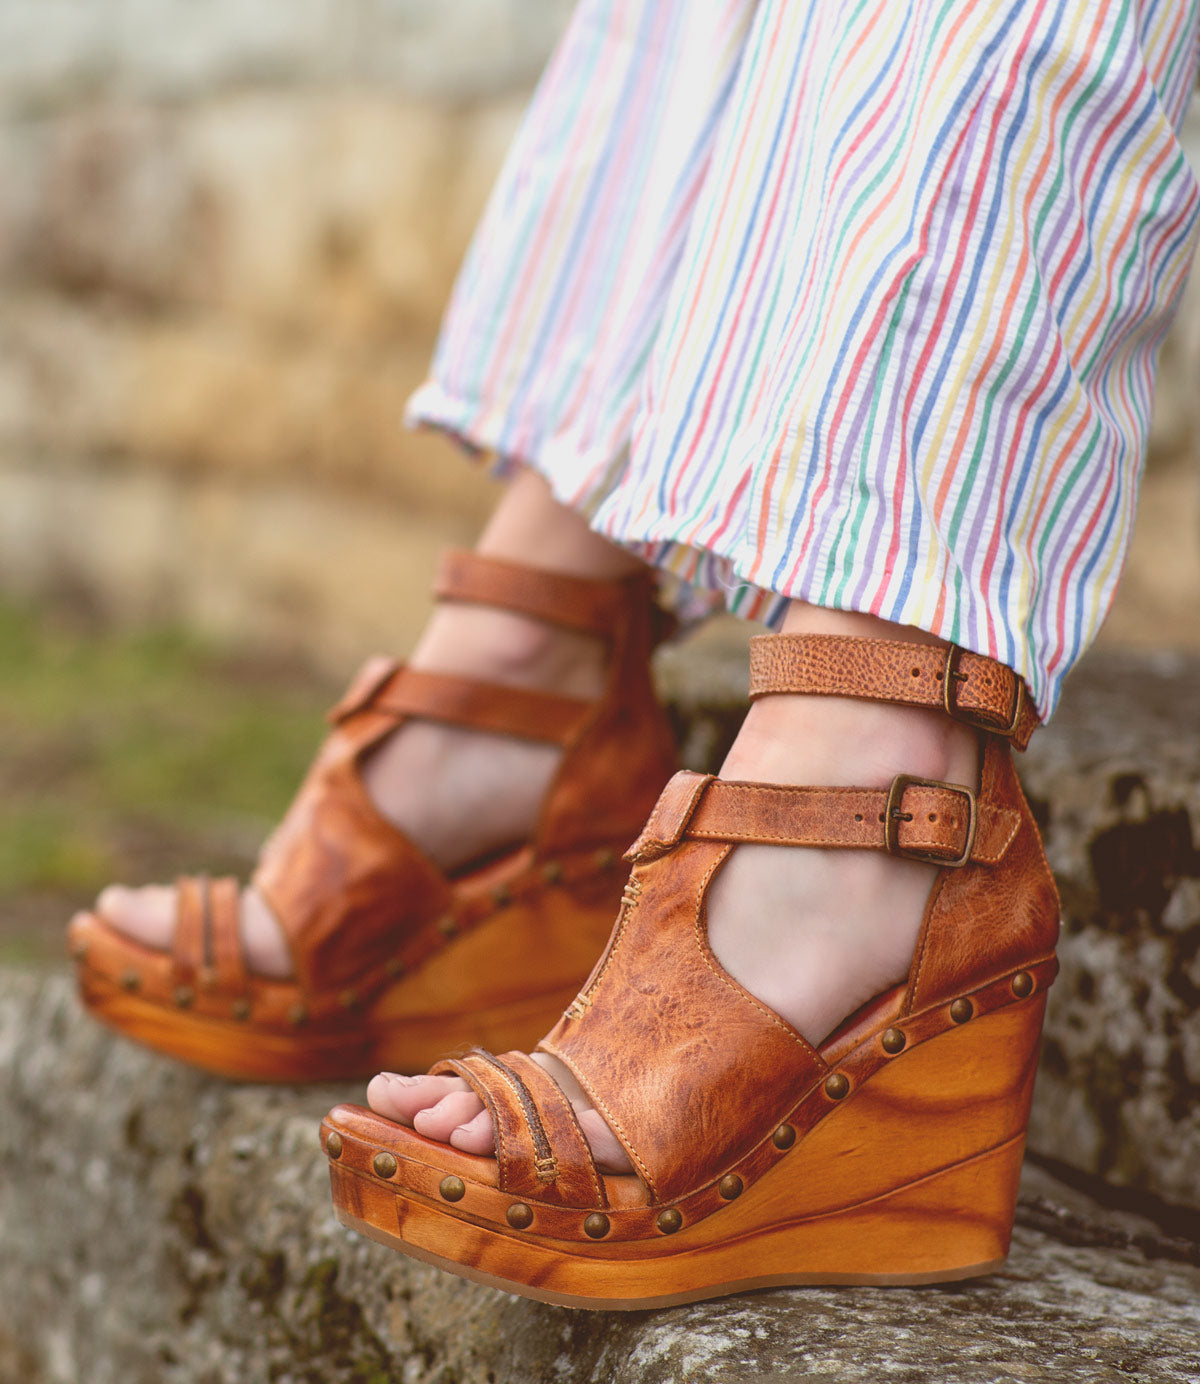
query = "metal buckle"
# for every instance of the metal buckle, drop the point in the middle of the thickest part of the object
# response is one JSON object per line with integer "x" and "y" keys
{"x": 951, "y": 675}
{"x": 892, "y": 817}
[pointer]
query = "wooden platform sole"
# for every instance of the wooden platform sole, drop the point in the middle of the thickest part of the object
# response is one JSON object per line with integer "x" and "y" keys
{"x": 234, "y": 1050}
{"x": 496, "y": 971}
{"x": 952, "y": 1225}
{"x": 911, "y": 1178}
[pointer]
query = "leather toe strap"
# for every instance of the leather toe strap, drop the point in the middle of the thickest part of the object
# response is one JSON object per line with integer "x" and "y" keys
{"x": 225, "y": 920}
{"x": 540, "y": 1149}
{"x": 399, "y": 692}
{"x": 191, "y": 928}
{"x": 208, "y": 934}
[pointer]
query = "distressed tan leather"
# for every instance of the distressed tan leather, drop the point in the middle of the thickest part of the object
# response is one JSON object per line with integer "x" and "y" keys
{"x": 540, "y": 1150}
{"x": 345, "y": 883}
{"x": 981, "y": 692}
{"x": 707, "y": 1089}
{"x": 935, "y": 820}
{"x": 720, "y": 1058}
{"x": 362, "y": 908}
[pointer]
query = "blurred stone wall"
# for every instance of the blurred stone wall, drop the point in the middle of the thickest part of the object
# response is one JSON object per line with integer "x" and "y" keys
{"x": 227, "y": 231}
{"x": 226, "y": 234}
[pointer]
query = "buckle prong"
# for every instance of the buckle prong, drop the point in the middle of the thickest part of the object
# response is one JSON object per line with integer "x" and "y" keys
{"x": 894, "y": 814}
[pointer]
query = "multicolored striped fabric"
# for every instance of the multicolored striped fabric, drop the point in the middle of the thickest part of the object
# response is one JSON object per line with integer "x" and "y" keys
{"x": 851, "y": 301}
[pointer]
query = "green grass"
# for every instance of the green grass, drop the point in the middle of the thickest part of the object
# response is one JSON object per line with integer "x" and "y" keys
{"x": 133, "y": 757}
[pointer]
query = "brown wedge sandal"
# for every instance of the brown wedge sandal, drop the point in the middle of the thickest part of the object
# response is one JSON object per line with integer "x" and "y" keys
{"x": 889, "y": 1155}
{"x": 394, "y": 961}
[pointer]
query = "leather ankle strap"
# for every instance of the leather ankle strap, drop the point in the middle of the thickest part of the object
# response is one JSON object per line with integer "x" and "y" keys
{"x": 916, "y": 819}
{"x": 576, "y": 603}
{"x": 383, "y": 685}
{"x": 968, "y": 687}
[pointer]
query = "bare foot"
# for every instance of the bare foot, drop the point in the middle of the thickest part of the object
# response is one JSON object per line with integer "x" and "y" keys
{"x": 814, "y": 934}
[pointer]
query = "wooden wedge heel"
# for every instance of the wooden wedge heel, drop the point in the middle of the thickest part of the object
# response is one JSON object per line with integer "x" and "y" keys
{"x": 394, "y": 961}
{"x": 890, "y": 1154}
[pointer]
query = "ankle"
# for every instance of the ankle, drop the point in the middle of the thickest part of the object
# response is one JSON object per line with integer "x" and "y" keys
{"x": 512, "y": 649}
{"x": 847, "y": 741}
{"x": 840, "y": 742}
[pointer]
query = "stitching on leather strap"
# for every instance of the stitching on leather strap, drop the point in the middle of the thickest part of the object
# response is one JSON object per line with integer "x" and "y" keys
{"x": 546, "y": 1091}
{"x": 670, "y": 815}
{"x": 599, "y": 1103}
{"x": 543, "y": 1153}
{"x": 463, "y": 1067}
{"x": 956, "y": 828}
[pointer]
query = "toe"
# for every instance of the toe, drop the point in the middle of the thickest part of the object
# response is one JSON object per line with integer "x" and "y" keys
{"x": 475, "y": 1136}
{"x": 441, "y": 1120}
{"x": 145, "y": 915}
{"x": 401, "y": 1098}
{"x": 267, "y": 951}
{"x": 606, "y": 1150}
{"x": 446, "y": 1109}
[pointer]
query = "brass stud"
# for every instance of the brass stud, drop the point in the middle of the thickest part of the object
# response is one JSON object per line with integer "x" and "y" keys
{"x": 383, "y": 1165}
{"x": 837, "y": 1086}
{"x": 184, "y": 995}
{"x": 606, "y": 859}
{"x": 669, "y": 1221}
{"x": 596, "y": 1226}
{"x": 333, "y": 1145}
{"x": 130, "y": 980}
{"x": 1022, "y": 984}
{"x": 552, "y": 872}
{"x": 502, "y": 896}
{"x": 241, "y": 1010}
{"x": 446, "y": 925}
{"x": 730, "y": 1186}
{"x": 784, "y": 1137}
{"x": 393, "y": 967}
{"x": 961, "y": 1011}
{"x": 519, "y": 1216}
{"x": 894, "y": 1040}
{"x": 452, "y": 1189}
{"x": 297, "y": 1014}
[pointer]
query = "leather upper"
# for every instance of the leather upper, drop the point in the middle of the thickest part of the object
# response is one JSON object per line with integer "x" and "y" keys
{"x": 690, "y": 1071}
{"x": 968, "y": 687}
{"x": 347, "y": 886}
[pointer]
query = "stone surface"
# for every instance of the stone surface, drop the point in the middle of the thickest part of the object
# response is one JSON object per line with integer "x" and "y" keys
{"x": 1116, "y": 778}
{"x": 163, "y": 1228}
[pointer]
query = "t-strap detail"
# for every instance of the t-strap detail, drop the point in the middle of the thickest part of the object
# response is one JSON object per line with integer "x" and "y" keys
{"x": 919, "y": 819}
